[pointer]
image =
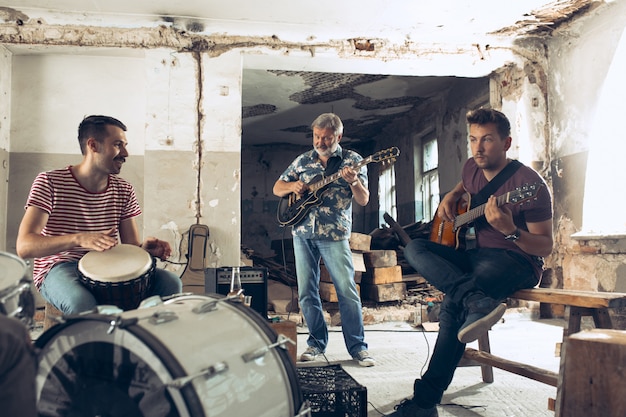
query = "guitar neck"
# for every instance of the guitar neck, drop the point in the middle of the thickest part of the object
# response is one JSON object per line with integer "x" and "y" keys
{"x": 334, "y": 177}
{"x": 471, "y": 215}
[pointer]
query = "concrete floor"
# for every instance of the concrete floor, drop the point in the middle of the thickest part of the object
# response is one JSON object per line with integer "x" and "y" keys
{"x": 402, "y": 352}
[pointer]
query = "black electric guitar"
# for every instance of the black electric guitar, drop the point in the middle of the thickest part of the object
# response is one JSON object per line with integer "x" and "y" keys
{"x": 293, "y": 207}
{"x": 453, "y": 233}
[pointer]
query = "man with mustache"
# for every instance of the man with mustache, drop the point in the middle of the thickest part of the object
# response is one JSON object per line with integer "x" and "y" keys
{"x": 511, "y": 240}
{"x": 81, "y": 208}
{"x": 323, "y": 234}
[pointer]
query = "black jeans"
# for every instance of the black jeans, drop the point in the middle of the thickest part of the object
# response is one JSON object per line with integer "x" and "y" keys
{"x": 496, "y": 273}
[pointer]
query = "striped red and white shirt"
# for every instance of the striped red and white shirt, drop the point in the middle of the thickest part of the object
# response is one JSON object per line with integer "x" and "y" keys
{"x": 73, "y": 209}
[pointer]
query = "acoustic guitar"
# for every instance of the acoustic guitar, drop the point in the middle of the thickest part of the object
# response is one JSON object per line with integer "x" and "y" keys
{"x": 293, "y": 207}
{"x": 453, "y": 233}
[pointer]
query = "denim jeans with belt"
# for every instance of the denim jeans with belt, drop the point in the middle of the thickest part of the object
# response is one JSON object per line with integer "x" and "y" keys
{"x": 337, "y": 259}
{"x": 493, "y": 273}
{"x": 63, "y": 288}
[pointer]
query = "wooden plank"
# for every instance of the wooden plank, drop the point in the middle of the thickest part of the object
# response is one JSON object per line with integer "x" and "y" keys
{"x": 329, "y": 293}
{"x": 528, "y": 371}
{"x": 359, "y": 241}
{"x": 380, "y": 258}
{"x": 325, "y": 276}
{"x": 387, "y": 275}
{"x": 589, "y": 299}
{"x": 384, "y": 292}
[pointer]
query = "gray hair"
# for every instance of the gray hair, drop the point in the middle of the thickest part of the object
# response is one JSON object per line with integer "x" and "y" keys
{"x": 328, "y": 120}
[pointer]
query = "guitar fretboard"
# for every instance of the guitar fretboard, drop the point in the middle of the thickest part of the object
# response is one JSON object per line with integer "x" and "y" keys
{"x": 320, "y": 184}
{"x": 471, "y": 215}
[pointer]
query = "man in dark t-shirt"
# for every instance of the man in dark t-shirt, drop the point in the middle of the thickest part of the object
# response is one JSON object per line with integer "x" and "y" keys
{"x": 512, "y": 234}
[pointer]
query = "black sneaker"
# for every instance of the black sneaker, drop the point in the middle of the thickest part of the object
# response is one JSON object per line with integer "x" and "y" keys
{"x": 479, "y": 321}
{"x": 407, "y": 408}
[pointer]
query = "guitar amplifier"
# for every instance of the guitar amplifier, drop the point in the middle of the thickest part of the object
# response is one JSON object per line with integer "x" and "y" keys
{"x": 253, "y": 282}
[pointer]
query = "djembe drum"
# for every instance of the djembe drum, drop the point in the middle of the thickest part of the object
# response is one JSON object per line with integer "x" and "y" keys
{"x": 119, "y": 276}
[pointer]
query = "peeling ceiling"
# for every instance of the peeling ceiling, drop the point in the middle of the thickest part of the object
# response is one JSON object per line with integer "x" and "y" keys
{"x": 279, "y": 104}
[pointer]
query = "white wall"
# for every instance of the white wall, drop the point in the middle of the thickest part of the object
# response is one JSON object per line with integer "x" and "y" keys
{"x": 51, "y": 94}
{"x": 185, "y": 172}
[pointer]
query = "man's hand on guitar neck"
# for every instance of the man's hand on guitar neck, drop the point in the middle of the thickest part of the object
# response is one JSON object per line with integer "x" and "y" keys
{"x": 360, "y": 193}
{"x": 500, "y": 218}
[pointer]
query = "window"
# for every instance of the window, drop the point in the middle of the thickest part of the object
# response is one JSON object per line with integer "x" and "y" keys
{"x": 387, "y": 194}
{"x": 427, "y": 177}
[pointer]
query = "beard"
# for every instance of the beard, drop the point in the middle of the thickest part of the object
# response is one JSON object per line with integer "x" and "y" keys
{"x": 326, "y": 151}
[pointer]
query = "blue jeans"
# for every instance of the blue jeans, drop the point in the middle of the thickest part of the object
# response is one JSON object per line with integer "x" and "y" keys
{"x": 338, "y": 261}
{"x": 482, "y": 272}
{"x": 63, "y": 288}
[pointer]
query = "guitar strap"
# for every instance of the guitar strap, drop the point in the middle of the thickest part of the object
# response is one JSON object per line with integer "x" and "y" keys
{"x": 334, "y": 163}
{"x": 483, "y": 195}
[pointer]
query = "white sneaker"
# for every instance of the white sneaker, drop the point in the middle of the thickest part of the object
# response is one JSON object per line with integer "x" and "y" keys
{"x": 364, "y": 358}
{"x": 310, "y": 354}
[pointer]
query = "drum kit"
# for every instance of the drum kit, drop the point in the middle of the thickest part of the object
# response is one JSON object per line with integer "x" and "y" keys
{"x": 183, "y": 355}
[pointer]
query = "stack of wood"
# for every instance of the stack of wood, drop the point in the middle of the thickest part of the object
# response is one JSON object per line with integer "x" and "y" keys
{"x": 382, "y": 280}
{"x": 359, "y": 243}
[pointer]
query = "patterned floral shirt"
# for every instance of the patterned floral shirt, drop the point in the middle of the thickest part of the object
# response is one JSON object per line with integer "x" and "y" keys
{"x": 332, "y": 218}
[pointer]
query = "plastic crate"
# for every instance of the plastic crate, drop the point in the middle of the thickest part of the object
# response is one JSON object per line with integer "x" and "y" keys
{"x": 332, "y": 392}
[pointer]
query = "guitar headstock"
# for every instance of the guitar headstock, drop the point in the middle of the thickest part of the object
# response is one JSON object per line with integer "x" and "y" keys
{"x": 524, "y": 193}
{"x": 388, "y": 155}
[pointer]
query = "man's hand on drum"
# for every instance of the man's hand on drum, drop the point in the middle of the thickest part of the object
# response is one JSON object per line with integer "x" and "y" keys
{"x": 157, "y": 248}
{"x": 100, "y": 241}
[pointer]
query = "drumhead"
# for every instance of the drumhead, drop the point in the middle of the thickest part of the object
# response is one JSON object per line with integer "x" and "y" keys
{"x": 85, "y": 370}
{"x": 12, "y": 270}
{"x": 135, "y": 369}
{"x": 118, "y": 264}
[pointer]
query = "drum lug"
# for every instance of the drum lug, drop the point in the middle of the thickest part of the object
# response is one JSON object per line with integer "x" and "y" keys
{"x": 152, "y": 301}
{"x": 108, "y": 309}
{"x": 161, "y": 317}
{"x": 255, "y": 354}
{"x": 209, "y": 372}
{"x": 205, "y": 307}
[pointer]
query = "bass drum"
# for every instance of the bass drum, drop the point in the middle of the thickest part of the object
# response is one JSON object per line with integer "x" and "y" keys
{"x": 192, "y": 355}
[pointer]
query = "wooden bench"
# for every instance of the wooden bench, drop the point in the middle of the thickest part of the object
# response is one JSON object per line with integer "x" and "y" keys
{"x": 577, "y": 305}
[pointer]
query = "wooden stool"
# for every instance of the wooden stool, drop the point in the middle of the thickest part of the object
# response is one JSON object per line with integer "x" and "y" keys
{"x": 50, "y": 315}
{"x": 288, "y": 329}
{"x": 593, "y": 379}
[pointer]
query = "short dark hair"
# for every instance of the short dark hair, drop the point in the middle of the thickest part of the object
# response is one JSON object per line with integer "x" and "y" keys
{"x": 484, "y": 116}
{"x": 94, "y": 126}
{"x": 328, "y": 120}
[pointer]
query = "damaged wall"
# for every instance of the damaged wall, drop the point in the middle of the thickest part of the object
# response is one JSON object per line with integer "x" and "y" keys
{"x": 5, "y": 117}
{"x": 580, "y": 60}
{"x": 180, "y": 93}
{"x": 181, "y": 176}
